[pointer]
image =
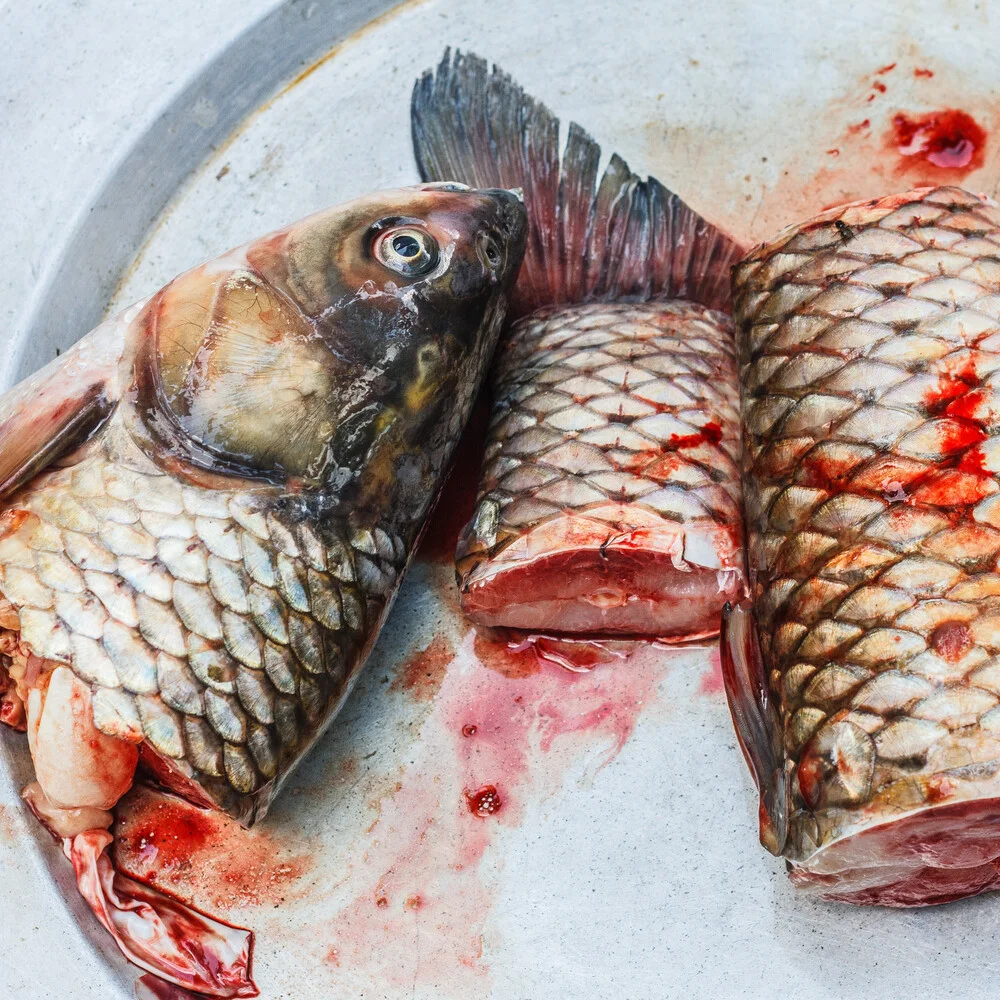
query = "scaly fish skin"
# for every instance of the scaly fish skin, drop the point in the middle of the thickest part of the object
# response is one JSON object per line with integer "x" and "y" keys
{"x": 216, "y": 561}
{"x": 870, "y": 370}
{"x": 614, "y": 425}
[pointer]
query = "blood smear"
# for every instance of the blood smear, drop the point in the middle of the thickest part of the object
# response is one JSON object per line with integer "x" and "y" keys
{"x": 505, "y": 728}
{"x": 949, "y": 140}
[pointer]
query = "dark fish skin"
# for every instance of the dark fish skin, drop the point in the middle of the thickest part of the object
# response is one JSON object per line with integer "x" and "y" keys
{"x": 865, "y": 679}
{"x": 609, "y": 499}
{"x": 216, "y": 562}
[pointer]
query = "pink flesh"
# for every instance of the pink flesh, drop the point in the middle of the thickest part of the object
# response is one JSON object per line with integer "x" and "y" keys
{"x": 153, "y": 930}
{"x": 158, "y": 933}
{"x": 614, "y": 590}
{"x": 932, "y": 856}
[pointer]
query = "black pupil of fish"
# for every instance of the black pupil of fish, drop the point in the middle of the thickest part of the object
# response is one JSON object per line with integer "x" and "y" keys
{"x": 406, "y": 246}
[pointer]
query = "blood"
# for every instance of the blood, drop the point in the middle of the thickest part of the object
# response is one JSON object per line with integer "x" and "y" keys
{"x": 963, "y": 365}
{"x": 710, "y": 432}
{"x": 505, "y": 654}
{"x": 859, "y": 127}
{"x": 954, "y": 488}
{"x": 885, "y": 69}
{"x": 422, "y": 672}
{"x": 949, "y": 141}
{"x": 879, "y": 86}
{"x": 952, "y": 640}
{"x": 457, "y": 501}
{"x": 975, "y": 405}
{"x": 943, "y": 391}
{"x": 201, "y": 855}
{"x": 711, "y": 682}
{"x": 504, "y": 728}
{"x": 825, "y": 471}
{"x": 957, "y": 435}
{"x": 927, "y": 73}
{"x": 484, "y": 802}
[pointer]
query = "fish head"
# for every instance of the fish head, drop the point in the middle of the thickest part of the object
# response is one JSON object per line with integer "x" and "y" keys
{"x": 338, "y": 351}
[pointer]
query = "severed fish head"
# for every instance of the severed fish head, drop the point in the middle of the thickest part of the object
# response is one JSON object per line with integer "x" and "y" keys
{"x": 206, "y": 508}
{"x": 330, "y": 354}
{"x": 241, "y": 466}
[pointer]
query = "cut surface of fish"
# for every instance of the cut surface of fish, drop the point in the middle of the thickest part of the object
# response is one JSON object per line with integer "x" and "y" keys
{"x": 863, "y": 681}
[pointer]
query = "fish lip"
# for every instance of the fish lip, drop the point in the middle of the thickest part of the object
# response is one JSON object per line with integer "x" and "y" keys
{"x": 511, "y": 219}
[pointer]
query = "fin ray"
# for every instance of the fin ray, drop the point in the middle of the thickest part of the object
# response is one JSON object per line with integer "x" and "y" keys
{"x": 607, "y": 239}
{"x": 756, "y": 720}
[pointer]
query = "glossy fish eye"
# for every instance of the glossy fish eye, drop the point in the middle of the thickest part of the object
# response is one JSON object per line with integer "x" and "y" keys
{"x": 408, "y": 250}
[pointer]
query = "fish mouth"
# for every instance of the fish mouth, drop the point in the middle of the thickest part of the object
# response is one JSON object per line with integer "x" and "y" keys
{"x": 510, "y": 222}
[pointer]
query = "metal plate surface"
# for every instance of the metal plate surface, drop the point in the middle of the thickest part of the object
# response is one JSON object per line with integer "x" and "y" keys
{"x": 623, "y": 861}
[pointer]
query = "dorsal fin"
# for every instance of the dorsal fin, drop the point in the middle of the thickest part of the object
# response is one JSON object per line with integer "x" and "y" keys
{"x": 622, "y": 238}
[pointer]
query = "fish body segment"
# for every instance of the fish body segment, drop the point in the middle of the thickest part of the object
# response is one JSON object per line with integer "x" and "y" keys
{"x": 609, "y": 500}
{"x": 865, "y": 681}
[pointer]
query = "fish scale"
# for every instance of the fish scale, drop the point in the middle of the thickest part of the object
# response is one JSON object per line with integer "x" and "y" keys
{"x": 220, "y": 632}
{"x": 869, "y": 358}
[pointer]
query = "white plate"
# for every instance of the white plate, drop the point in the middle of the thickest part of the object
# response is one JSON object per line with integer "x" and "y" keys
{"x": 623, "y": 862}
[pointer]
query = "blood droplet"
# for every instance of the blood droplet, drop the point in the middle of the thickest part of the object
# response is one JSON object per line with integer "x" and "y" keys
{"x": 951, "y": 641}
{"x": 484, "y": 802}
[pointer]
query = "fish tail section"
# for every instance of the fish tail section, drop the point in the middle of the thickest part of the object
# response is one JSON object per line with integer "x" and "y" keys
{"x": 756, "y": 720}
{"x": 589, "y": 239}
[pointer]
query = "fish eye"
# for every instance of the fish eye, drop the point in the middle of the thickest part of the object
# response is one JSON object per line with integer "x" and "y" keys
{"x": 408, "y": 250}
{"x": 490, "y": 252}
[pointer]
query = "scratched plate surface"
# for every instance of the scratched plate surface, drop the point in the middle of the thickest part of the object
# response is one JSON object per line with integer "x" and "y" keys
{"x": 620, "y": 858}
